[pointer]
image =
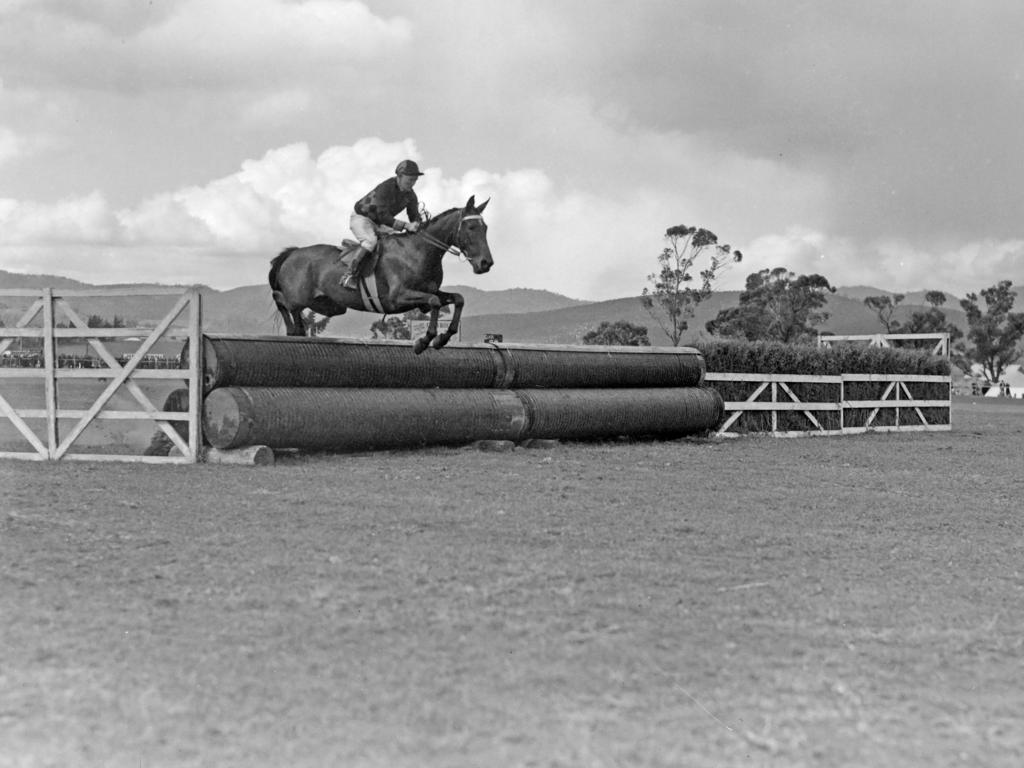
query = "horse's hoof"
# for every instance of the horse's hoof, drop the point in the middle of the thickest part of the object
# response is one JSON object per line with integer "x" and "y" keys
{"x": 419, "y": 345}
{"x": 440, "y": 341}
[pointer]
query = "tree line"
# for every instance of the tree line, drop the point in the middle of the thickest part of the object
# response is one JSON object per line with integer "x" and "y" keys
{"x": 93, "y": 321}
{"x": 779, "y": 305}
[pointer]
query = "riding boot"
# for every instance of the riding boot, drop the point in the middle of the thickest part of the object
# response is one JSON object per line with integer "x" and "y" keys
{"x": 349, "y": 280}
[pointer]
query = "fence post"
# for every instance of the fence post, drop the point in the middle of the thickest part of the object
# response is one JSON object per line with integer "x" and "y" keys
{"x": 50, "y": 372}
{"x": 775, "y": 413}
{"x": 842, "y": 404}
{"x": 899, "y": 398}
{"x": 195, "y": 383}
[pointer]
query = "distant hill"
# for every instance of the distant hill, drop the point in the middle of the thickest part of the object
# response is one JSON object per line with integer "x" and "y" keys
{"x": 513, "y": 300}
{"x": 850, "y": 316}
{"x": 15, "y": 281}
{"x": 568, "y": 325}
{"x": 249, "y": 309}
{"x": 861, "y": 292}
{"x": 143, "y": 311}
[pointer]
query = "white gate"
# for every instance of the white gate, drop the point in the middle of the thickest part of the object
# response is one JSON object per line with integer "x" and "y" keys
{"x": 59, "y": 320}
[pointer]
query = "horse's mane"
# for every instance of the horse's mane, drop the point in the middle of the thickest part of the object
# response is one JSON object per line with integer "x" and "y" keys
{"x": 437, "y": 216}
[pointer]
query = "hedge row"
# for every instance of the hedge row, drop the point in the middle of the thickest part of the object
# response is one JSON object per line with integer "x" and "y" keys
{"x": 773, "y": 357}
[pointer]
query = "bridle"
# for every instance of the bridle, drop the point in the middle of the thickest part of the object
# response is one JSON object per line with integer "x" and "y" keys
{"x": 453, "y": 247}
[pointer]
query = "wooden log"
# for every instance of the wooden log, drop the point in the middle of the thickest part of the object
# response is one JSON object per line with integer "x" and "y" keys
{"x": 358, "y": 419}
{"x": 540, "y": 443}
{"x": 251, "y": 455}
{"x": 362, "y": 419}
{"x": 281, "y": 361}
{"x": 494, "y": 446}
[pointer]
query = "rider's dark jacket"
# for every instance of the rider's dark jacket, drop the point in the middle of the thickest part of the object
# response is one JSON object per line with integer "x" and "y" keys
{"x": 385, "y": 200}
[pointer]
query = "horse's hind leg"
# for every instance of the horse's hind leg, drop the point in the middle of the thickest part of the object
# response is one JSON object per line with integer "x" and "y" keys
{"x": 286, "y": 315}
{"x": 298, "y": 324}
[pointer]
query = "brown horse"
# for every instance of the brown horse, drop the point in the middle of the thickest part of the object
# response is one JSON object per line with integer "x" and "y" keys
{"x": 407, "y": 274}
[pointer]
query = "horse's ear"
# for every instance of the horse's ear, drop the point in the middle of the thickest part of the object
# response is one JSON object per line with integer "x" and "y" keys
{"x": 481, "y": 208}
{"x": 471, "y": 204}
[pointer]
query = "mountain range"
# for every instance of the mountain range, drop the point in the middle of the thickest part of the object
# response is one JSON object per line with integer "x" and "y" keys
{"x": 518, "y": 314}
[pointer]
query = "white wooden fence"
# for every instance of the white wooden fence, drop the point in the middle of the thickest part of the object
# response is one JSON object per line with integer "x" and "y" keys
{"x": 773, "y": 393}
{"x": 939, "y": 341}
{"x": 51, "y": 304}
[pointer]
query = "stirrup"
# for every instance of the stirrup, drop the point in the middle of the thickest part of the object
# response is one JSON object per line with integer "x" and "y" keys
{"x": 350, "y": 281}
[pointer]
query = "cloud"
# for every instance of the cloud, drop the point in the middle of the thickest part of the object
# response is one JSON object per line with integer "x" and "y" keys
{"x": 888, "y": 264}
{"x": 970, "y": 267}
{"x": 9, "y": 144}
{"x": 237, "y": 39}
{"x": 911, "y": 115}
{"x": 544, "y": 232}
{"x": 285, "y": 197}
{"x": 228, "y": 228}
{"x": 191, "y": 43}
{"x": 72, "y": 221}
{"x": 23, "y": 147}
{"x": 277, "y": 107}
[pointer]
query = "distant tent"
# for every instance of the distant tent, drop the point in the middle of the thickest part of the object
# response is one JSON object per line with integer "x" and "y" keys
{"x": 1013, "y": 381}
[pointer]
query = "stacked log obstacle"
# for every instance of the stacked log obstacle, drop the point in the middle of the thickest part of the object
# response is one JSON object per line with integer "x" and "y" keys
{"x": 344, "y": 394}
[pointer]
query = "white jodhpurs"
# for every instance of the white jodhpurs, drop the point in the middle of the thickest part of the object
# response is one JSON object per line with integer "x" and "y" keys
{"x": 365, "y": 231}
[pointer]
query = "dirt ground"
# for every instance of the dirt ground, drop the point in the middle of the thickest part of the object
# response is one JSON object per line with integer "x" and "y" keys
{"x": 854, "y": 601}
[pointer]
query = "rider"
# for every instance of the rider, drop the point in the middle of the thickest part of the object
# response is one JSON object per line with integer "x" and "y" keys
{"x": 378, "y": 208}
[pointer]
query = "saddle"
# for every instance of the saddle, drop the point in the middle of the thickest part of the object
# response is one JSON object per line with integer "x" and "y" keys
{"x": 349, "y": 246}
{"x": 348, "y": 251}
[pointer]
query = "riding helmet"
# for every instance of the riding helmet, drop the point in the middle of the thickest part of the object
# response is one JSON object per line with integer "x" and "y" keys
{"x": 408, "y": 168}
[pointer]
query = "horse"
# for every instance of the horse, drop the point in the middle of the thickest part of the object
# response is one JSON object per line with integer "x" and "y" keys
{"x": 407, "y": 274}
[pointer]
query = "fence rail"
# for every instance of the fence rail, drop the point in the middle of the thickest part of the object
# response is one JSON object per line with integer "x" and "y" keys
{"x": 775, "y": 395}
{"x": 939, "y": 341}
{"x": 119, "y": 371}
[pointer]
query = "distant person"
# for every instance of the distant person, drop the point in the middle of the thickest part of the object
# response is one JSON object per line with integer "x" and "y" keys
{"x": 378, "y": 208}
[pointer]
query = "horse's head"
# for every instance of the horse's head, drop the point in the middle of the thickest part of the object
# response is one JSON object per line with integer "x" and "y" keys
{"x": 471, "y": 237}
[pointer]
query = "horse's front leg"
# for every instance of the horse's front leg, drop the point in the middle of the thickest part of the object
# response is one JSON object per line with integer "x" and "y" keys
{"x": 405, "y": 299}
{"x": 456, "y": 300}
{"x": 423, "y": 341}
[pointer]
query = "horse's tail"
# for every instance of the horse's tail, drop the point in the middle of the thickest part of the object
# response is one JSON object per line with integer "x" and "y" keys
{"x": 275, "y": 268}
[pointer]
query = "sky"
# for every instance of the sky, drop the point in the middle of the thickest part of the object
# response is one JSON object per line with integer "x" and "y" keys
{"x": 189, "y": 141}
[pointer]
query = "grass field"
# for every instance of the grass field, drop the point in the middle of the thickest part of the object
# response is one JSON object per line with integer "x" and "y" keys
{"x": 853, "y": 601}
